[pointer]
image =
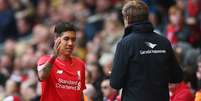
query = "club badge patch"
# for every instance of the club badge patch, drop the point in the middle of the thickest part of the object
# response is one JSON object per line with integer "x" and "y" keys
{"x": 78, "y": 75}
{"x": 59, "y": 71}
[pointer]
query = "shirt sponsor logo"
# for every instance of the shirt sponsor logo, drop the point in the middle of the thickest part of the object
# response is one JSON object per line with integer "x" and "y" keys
{"x": 151, "y": 45}
{"x": 142, "y": 52}
{"x": 68, "y": 84}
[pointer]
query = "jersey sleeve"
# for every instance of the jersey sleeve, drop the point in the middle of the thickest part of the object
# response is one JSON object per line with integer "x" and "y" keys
{"x": 41, "y": 61}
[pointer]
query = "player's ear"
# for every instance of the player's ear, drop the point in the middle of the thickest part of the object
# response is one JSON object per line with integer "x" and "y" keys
{"x": 126, "y": 18}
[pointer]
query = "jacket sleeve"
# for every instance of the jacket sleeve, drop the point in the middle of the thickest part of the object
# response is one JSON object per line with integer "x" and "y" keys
{"x": 175, "y": 71}
{"x": 120, "y": 65}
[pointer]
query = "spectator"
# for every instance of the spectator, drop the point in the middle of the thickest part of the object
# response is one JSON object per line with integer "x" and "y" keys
{"x": 193, "y": 20}
{"x": 12, "y": 90}
{"x": 42, "y": 11}
{"x": 111, "y": 33}
{"x": 191, "y": 57}
{"x": 198, "y": 74}
{"x": 90, "y": 91}
{"x": 182, "y": 91}
{"x": 41, "y": 34}
{"x": 181, "y": 49}
{"x": 24, "y": 28}
{"x": 91, "y": 58}
{"x": 8, "y": 23}
{"x": 80, "y": 50}
{"x": 109, "y": 94}
{"x": 176, "y": 29}
{"x": 155, "y": 18}
{"x": 106, "y": 63}
{"x": 6, "y": 64}
{"x": 97, "y": 77}
{"x": 9, "y": 47}
{"x": 28, "y": 91}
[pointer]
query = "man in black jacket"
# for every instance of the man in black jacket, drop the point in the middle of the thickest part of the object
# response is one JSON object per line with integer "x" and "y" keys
{"x": 144, "y": 61}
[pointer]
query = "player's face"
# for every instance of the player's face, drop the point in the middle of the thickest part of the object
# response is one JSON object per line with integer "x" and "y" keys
{"x": 68, "y": 39}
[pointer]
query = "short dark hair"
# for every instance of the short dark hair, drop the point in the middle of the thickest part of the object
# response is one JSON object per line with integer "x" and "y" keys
{"x": 135, "y": 10}
{"x": 63, "y": 27}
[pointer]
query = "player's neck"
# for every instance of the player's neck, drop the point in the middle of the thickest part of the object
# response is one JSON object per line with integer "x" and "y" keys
{"x": 64, "y": 58}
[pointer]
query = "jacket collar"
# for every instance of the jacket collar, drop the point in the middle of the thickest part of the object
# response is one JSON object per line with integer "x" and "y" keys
{"x": 139, "y": 27}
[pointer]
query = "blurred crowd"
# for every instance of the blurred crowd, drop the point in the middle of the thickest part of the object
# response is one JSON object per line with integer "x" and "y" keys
{"x": 26, "y": 33}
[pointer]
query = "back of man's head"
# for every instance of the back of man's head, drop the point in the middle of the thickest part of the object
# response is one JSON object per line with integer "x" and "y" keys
{"x": 134, "y": 11}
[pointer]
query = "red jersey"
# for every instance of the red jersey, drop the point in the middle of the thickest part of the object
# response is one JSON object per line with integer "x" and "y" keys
{"x": 181, "y": 93}
{"x": 66, "y": 80}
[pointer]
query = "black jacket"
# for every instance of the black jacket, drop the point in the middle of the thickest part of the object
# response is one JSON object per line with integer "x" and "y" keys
{"x": 144, "y": 64}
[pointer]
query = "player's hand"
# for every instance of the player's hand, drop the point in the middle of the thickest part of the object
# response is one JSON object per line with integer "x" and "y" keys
{"x": 56, "y": 48}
